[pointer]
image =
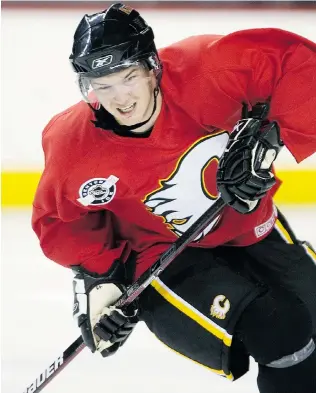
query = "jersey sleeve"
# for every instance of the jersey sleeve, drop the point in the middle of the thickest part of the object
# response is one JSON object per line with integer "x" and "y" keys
{"x": 253, "y": 66}
{"x": 68, "y": 234}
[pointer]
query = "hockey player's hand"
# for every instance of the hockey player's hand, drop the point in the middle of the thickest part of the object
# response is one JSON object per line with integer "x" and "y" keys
{"x": 244, "y": 174}
{"x": 104, "y": 328}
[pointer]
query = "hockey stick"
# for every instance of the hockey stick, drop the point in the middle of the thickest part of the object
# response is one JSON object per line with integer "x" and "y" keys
{"x": 132, "y": 292}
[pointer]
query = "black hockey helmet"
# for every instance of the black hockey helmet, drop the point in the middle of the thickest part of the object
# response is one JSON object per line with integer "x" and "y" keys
{"x": 112, "y": 39}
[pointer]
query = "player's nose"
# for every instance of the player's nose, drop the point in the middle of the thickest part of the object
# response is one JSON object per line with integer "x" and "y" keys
{"x": 121, "y": 94}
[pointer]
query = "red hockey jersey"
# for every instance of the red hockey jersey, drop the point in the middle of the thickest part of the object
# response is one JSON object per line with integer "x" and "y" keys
{"x": 102, "y": 195}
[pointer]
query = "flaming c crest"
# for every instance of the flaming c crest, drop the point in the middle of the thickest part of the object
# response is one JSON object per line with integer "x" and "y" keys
{"x": 191, "y": 187}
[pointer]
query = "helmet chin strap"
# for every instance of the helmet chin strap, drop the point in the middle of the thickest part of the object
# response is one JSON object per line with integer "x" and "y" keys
{"x": 108, "y": 122}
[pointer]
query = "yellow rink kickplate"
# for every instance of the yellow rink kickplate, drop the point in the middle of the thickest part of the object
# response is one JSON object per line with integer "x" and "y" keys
{"x": 299, "y": 187}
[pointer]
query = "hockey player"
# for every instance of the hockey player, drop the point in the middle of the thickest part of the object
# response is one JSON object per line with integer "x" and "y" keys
{"x": 132, "y": 166}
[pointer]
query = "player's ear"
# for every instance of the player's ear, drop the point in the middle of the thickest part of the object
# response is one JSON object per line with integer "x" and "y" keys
{"x": 155, "y": 80}
{"x": 151, "y": 74}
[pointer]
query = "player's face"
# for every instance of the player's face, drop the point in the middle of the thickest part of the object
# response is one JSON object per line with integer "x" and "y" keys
{"x": 127, "y": 94}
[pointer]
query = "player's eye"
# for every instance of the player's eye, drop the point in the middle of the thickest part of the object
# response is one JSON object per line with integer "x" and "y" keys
{"x": 103, "y": 88}
{"x": 131, "y": 78}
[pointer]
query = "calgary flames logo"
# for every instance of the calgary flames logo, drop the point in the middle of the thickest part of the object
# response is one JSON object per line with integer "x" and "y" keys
{"x": 220, "y": 307}
{"x": 191, "y": 188}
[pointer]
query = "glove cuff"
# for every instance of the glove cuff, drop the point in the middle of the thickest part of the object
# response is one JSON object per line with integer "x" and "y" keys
{"x": 118, "y": 273}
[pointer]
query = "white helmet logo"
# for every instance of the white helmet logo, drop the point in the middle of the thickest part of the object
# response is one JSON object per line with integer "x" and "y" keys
{"x": 102, "y": 61}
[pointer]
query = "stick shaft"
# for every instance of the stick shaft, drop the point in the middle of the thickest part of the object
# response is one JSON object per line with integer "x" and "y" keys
{"x": 170, "y": 254}
{"x": 132, "y": 292}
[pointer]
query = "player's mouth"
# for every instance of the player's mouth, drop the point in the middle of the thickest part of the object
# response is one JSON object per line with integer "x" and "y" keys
{"x": 128, "y": 110}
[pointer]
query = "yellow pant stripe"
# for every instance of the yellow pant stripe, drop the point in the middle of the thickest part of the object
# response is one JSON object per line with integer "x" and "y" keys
{"x": 191, "y": 312}
{"x": 283, "y": 232}
{"x": 218, "y": 372}
{"x": 311, "y": 253}
{"x": 286, "y": 236}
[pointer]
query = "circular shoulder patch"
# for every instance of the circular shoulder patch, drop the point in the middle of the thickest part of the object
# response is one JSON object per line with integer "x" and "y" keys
{"x": 97, "y": 191}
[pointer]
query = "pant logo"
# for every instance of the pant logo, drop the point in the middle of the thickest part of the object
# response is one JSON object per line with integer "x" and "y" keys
{"x": 220, "y": 307}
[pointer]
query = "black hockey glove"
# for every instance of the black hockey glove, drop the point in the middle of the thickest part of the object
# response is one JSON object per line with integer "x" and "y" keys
{"x": 104, "y": 328}
{"x": 244, "y": 174}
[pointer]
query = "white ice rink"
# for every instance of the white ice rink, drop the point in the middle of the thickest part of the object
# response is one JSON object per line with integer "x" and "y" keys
{"x": 37, "y": 326}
